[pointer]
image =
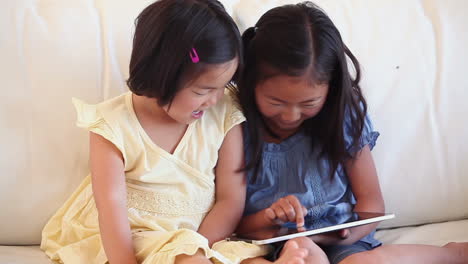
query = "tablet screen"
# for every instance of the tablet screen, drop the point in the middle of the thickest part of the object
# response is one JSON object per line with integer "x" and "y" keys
{"x": 312, "y": 227}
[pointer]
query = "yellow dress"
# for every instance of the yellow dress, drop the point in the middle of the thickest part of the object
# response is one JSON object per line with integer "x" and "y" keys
{"x": 168, "y": 195}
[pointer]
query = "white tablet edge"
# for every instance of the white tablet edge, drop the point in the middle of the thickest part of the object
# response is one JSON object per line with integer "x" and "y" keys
{"x": 323, "y": 230}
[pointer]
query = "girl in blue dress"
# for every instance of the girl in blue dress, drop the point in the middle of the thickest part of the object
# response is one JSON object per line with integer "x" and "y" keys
{"x": 308, "y": 139}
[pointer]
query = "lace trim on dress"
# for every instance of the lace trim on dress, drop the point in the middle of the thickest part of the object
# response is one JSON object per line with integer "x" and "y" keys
{"x": 169, "y": 204}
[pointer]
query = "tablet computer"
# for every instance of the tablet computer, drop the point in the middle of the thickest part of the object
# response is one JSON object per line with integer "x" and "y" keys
{"x": 311, "y": 227}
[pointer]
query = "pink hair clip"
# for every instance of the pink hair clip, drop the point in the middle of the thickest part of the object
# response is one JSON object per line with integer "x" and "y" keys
{"x": 194, "y": 56}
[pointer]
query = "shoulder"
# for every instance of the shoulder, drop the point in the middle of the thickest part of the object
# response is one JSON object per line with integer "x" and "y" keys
{"x": 108, "y": 118}
{"x": 368, "y": 135}
{"x": 92, "y": 114}
{"x": 115, "y": 108}
{"x": 225, "y": 114}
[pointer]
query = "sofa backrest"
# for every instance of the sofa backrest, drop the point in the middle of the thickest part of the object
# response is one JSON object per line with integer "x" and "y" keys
{"x": 412, "y": 54}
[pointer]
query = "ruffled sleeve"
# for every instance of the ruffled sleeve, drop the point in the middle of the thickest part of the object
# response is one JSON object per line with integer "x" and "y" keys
{"x": 368, "y": 136}
{"x": 234, "y": 115}
{"x": 90, "y": 118}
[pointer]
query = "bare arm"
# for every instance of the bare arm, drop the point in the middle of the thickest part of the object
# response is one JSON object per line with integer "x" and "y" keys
{"x": 109, "y": 190}
{"x": 365, "y": 186}
{"x": 230, "y": 189}
{"x": 254, "y": 222}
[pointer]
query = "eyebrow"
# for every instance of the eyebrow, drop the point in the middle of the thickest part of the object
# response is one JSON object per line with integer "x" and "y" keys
{"x": 302, "y": 102}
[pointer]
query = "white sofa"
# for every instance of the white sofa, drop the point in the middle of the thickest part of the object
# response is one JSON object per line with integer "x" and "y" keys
{"x": 413, "y": 55}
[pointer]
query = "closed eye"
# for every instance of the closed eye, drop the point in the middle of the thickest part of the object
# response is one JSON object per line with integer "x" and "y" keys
{"x": 201, "y": 94}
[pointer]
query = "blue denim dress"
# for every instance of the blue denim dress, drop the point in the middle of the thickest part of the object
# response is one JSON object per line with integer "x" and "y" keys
{"x": 293, "y": 167}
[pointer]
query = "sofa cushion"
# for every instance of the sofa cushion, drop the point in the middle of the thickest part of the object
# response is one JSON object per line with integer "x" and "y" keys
{"x": 413, "y": 59}
{"x": 52, "y": 51}
{"x": 23, "y": 255}
{"x": 431, "y": 234}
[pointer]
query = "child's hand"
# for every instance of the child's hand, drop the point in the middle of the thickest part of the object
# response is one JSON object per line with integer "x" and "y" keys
{"x": 286, "y": 209}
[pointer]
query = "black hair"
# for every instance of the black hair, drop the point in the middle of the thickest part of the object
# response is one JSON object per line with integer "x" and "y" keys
{"x": 299, "y": 40}
{"x": 165, "y": 34}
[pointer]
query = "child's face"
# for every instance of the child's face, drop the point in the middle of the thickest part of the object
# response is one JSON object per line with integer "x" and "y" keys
{"x": 286, "y": 101}
{"x": 202, "y": 93}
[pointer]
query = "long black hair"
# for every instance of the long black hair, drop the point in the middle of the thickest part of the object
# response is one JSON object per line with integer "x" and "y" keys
{"x": 296, "y": 40}
{"x": 166, "y": 34}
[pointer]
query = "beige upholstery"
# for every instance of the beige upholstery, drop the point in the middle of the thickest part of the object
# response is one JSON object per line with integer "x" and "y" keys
{"x": 413, "y": 55}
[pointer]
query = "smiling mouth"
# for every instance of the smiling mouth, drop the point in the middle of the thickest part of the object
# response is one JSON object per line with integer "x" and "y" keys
{"x": 289, "y": 125}
{"x": 197, "y": 114}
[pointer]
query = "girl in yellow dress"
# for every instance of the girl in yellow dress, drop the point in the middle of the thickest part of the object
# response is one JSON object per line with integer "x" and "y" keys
{"x": 157, "y": 151}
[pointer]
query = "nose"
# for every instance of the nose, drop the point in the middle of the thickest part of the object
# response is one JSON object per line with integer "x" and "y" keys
{"x": 214, "y": 97}
{"x": 291, "y": 115}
